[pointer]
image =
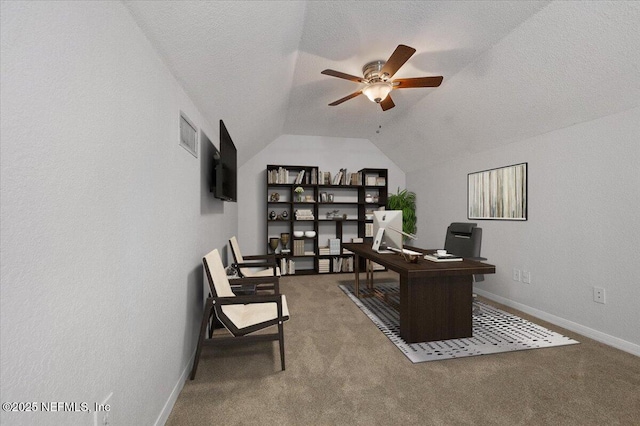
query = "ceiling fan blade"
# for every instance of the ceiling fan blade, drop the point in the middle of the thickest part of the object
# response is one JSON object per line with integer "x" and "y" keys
{"x": 405, "y": 83}
{"x": 387, "y": 103}
{"x": 346, "y": 98}
{"x": 339, "y": 74}
{"x": 397, "y": 59}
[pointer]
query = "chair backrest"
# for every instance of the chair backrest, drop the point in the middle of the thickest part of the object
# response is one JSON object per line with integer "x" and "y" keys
{"x": 463, "y": 239}
{"x": 218, "y": 281}
{"x": 235, "y": 249}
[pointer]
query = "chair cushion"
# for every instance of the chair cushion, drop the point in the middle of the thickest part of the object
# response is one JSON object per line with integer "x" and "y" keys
{"x": 235, "y": 248}
{"x": 218, "y": 275}
{"x": 261, "y": 273}
{"x": 243, "y": 316}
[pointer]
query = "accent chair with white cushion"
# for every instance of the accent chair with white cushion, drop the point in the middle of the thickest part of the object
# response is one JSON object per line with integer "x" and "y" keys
{"x": 248, "y": 269}
{"x": 240, "y": 315}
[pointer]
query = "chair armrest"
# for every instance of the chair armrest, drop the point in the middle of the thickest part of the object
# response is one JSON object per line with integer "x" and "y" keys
{"x": 260, "y": 256}
{"x": 258, "y": 281}
{"x": 240, "y": 289}
{"x": 256, "y": 265}
{"x": 243, "y": 300}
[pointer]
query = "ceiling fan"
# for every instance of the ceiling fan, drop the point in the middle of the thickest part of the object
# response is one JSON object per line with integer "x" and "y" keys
{"x": 377, "y": 78}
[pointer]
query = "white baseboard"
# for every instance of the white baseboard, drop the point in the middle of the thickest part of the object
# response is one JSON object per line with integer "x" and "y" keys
{"x": 173, "y": 397}
{"x": 601, "y": 337}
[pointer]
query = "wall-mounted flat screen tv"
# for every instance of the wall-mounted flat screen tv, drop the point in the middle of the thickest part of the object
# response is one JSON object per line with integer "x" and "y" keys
{"x": 225, "y": 179}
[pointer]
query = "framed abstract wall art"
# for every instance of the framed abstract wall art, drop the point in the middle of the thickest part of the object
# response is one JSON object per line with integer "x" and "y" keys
{"x": 499, "y": 194}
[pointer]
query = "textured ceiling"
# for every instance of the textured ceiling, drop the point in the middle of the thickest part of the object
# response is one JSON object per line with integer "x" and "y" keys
{"x": 512, "y": 69}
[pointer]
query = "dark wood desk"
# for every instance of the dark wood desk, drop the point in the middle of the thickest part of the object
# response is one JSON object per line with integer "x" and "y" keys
{"x": 435, "y": 297}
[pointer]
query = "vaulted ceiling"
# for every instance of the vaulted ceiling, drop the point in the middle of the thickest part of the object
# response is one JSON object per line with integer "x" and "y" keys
{"x": 512, "y": 69}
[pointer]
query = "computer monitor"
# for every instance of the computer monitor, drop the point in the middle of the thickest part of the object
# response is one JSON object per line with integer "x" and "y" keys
{"x": 384, "y": 238}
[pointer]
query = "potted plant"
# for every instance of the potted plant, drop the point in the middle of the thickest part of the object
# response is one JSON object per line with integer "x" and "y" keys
{"x": 406, "y": 201}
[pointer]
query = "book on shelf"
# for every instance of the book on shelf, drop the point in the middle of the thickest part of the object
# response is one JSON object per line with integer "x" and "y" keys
{"x": 334, "y": 246}
{"x": 368, "y": 229}
{"x": 324, "y": 266}
{"x": 354, "y": 179}
{"x": 279, "y": 175}
{"x": 371, "y": 180}
{"x": 298, "y": 247}
{"x": 336, "y": 178}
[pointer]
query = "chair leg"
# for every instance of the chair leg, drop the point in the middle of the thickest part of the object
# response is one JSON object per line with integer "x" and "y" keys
{"x": 281, "y": 342}
{"x": 208, "y": 310}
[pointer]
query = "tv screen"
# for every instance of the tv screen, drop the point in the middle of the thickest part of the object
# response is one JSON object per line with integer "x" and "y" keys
{"x": 226, "y": 168}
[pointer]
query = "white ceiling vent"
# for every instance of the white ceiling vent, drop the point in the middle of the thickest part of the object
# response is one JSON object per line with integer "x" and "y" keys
{"x": 188, "y": 135}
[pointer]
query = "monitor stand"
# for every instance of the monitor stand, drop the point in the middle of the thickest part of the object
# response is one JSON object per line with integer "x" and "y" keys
{"x": 376, "y": 243}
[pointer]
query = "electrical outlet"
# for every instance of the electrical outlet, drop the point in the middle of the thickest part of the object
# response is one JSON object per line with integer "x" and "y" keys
{"x": 516, "y": 274}
{"x": 526, "y": 277}
{"x": 598, "y": 295}
{"x": 101, "y": 412}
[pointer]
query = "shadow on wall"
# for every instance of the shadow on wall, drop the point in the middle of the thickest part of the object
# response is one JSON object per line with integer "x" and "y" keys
{"x": 194, "y": 309}
{"x": 208, "y": 204}
{"x": 197, "y": 291}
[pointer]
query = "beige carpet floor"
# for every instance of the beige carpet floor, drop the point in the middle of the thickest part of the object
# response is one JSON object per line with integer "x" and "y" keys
{"x": 341, "y": 370}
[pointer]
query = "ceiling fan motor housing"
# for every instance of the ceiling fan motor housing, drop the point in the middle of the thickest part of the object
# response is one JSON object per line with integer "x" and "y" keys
{"x": 371, "y": 71}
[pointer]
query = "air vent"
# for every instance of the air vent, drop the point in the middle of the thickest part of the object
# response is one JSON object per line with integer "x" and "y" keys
{"x": 188, "y": 135}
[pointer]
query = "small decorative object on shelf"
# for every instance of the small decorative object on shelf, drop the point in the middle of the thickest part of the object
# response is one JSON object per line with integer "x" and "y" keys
{"x": 273, "y": 243}
{"x": 299, "y": 190}
{"x": 330, "y": 198}
{"x": 333, "y": 215}
{"x": 285, "y": 214}
{"x": 274, "y": 197}
{"x": 284, "y": 238}
{"x": 272, "y": 215}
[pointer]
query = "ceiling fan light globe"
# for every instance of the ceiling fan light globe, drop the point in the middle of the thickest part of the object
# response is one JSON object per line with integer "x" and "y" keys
{"x": 377, "y": 92}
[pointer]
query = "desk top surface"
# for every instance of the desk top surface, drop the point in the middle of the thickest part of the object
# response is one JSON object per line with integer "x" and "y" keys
{"x": 397, "y": 263}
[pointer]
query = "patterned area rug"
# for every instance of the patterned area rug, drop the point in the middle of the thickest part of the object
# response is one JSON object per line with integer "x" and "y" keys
{"x": 494, "y": 331}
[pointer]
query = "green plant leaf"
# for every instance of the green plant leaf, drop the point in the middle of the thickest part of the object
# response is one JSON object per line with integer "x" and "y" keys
{"x": 406, "y": 201}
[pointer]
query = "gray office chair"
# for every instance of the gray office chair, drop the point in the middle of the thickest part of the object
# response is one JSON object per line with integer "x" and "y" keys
{"x": 465, "y": 239}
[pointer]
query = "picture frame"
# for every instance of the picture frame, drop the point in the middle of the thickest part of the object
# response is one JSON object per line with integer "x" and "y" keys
{"x": 498, "y": 194}
{"x": 323, "y": 197}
